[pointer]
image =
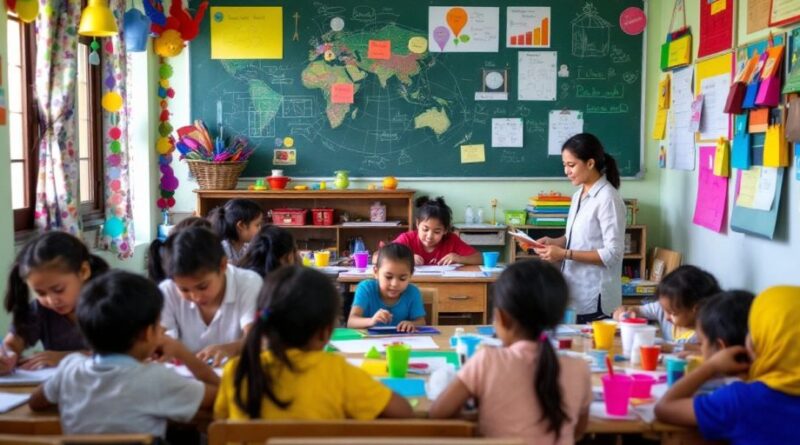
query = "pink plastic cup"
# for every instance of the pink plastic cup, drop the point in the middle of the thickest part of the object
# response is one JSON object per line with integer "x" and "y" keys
{"x": 617, "y": 393}
{"x": 642, "y": 385}
{"x": 361, "y": 259}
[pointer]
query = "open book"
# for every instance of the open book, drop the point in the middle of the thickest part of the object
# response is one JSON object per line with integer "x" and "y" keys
{"x": 522, "y": 236}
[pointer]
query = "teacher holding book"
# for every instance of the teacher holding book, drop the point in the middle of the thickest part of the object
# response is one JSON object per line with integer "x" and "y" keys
{"x": 591, "y": 250}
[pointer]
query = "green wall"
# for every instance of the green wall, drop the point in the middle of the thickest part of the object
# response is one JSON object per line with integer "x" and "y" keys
{"x": 6, "y": 214}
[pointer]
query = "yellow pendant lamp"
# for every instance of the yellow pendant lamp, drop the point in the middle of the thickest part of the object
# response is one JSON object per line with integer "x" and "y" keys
{"x": 97, "y": 20}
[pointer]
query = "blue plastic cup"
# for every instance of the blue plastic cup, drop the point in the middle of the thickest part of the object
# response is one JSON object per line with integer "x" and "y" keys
{"x": 676, "y": 368}
{"x": 570, "y": 316}
{"x": 598, "y": 357}
{"x": 490, "y": 259}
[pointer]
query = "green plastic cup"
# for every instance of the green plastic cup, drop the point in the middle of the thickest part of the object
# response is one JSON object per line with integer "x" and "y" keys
{"x": 397, "y": 356}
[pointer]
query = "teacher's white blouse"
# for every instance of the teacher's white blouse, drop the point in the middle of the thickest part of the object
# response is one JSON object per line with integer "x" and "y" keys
{"x": 596, "y": 222}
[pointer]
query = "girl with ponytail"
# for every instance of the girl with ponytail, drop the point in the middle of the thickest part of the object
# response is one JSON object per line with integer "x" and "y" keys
{"x": 272, "y": 248}
{"x": 55, "y": 265}
{"x": 236, "y": 223}
{"x": 590, "y": 251}
{"x": 294, "y": 378}
{"x": 524, "y": 389}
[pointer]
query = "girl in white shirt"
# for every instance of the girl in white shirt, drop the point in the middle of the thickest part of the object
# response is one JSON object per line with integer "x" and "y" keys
{"x": 237, "y": 223}
{"x": 209, "y": 305}
{"x": 591, "y": 250}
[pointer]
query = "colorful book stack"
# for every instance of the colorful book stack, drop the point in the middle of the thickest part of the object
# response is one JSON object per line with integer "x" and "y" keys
{"x": 548, "y": 209}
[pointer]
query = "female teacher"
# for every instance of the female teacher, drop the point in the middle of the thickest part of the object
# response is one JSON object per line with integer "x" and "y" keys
{"x": 591, "y": 250}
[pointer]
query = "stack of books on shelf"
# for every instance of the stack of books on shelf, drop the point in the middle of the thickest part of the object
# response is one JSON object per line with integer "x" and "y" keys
{"x": 548, "y": 209}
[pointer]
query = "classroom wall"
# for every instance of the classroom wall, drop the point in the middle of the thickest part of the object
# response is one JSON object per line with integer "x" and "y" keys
{"x": 6, "y": 214}
{"x": 737, "y": 260}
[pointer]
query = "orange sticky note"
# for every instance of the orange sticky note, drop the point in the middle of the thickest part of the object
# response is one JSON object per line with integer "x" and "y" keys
{"x": 718, "y": 6}
{"x": 379, "y": 49}
{"x": 342, "y": 93}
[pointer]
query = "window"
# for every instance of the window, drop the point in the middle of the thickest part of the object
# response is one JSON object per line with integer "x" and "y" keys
{"x": 24, "y": 129}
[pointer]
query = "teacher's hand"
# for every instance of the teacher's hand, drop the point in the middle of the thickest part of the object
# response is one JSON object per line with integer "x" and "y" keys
{"x": 551, "y": 253}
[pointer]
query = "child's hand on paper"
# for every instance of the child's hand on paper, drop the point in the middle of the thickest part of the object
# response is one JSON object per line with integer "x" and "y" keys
{"x": 44, "y": 359}
{"x": 406, "y": 326}
{"x": 418, "y": 261}
{"x": 382, "y": 316}
{"x": 448, "y": 259}
{"x": 8, "y": 361}
{"x": 215, "y": 355}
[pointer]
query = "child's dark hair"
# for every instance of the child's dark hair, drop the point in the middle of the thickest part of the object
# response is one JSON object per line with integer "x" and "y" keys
{"x": 294, "y": 305}
{"x": 155, "y": 269}
{"x": 396, "y": 252}
{"x": 724, "y": 317}
{"x": 434, "y": 208}
{"x": 585, "y": 146}
{"x": 51, "y": 249}
{"x": 266, "y": 250}
{"x": 225, "y": 217}
{"x": 535, "y": 294}
{"x": 687, "y": 286}
{"x": 190, "y": 251}
{"x": 115, "y": 308}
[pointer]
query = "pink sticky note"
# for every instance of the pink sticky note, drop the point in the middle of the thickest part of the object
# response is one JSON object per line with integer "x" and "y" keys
{"x": 712, "y": 193}
{"x": 380, "y": 49}
{"x": 342, "y": 93}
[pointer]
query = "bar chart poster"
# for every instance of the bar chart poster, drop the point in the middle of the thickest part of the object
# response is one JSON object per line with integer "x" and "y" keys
{"x": 528, "y": 27}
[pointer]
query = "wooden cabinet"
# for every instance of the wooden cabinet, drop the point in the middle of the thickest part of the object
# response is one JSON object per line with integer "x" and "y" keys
{"x": 354, "y": 203}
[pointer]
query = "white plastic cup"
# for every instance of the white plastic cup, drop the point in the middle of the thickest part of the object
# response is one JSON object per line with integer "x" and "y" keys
{"x": 627, "y": 330}
{"x": 646, "y": 336}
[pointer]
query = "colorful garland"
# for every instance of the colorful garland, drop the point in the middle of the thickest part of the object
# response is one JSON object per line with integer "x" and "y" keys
{"x": 166, "y": 143}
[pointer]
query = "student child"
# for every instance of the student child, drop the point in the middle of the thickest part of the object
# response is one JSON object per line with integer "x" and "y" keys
{"x": 272, "y": 248}
{"x": 209, "y": 304}
{"x": 722, "y": 321}
{"x": 762, "y": 410}
{"x": 680, "y": 294}
{"x": 236, "y": 223}
{"x": 55, "y": 265}
{"x": 118, "y": 390}
{"x": 294, "y": 378}
{"x": 389, "y": 299}
{"x": 524, "y": 389}
{"x": 433, "y": 242}
{"x": 156, "y": 249}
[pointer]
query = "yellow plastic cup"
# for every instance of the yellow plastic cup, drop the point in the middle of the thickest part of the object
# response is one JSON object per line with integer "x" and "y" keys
{"x": 693, "y": 362}
{"x": 322, "y": 258}
{"x": 604, "y": 334}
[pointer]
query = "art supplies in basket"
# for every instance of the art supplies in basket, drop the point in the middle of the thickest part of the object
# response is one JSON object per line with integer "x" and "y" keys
{"x": 215, "y": 165}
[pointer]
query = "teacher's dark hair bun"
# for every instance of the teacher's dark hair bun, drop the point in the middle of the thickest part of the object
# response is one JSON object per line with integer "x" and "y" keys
{"x": 586, "y": 146}
{"x": 434, "y": 208}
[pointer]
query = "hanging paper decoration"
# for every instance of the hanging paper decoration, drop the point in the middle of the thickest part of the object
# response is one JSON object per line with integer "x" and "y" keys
{"x": 165, "y": 144}
{"x": 137, "y": 29}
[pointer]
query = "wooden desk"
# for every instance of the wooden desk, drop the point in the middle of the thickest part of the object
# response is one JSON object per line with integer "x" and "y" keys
{"x": 454, "y": 295}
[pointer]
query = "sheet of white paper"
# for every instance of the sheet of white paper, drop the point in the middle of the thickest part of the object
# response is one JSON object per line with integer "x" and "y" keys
{"x": 714, "y": 122}
{"x": 436, "y": 269}
{"x": 479, "y": 30}
{"x": 537, "y": 75}
{"x": 507, "y": 132}
{"x": 463, "y": 274}
{"x": 563, "y": 124}
{"x": 364, "y": 345}
{"x": 9, "y": 400}
{"x": 681, "y": 150}
{"x": 22, "y": 377}
{"x": 765, "y": 193}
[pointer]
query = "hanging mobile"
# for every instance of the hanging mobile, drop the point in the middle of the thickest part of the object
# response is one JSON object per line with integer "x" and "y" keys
{"x": 94, "y": 58}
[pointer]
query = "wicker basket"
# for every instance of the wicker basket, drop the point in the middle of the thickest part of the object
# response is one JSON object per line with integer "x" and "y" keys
{"x": 216, "y": 175}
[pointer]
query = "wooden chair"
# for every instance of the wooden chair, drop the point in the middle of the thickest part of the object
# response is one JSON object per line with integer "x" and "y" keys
{"x": 664, "y": 261}
{"x": 392, "y": 441}
{"x": 429, "y": 295}
{"x": 94, "y": 439}
{"x": 258, "y": 431}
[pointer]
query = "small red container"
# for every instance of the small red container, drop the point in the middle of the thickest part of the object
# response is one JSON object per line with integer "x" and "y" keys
{"x": 322, "y": 217}
{"x": 289, "y": 217}
{"x": 564, "y": 343}
{"x": 278, "y": 182}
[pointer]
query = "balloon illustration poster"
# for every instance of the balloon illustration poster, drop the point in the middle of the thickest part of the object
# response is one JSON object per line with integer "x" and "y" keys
{"x": 463, "y": 29}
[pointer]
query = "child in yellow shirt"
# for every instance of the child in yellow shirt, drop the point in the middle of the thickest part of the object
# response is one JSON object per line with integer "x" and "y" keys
{"x": 294, "y": 378}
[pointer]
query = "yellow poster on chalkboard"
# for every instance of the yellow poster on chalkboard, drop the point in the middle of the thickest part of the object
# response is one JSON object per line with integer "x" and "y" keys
{"x": 247, "y": 32}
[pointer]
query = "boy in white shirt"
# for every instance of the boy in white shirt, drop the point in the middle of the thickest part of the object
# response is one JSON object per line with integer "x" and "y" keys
{"x": 116, "y": 390}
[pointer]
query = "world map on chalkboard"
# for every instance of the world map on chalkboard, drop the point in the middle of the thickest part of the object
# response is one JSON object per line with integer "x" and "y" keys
{"x": 411, "y": 111}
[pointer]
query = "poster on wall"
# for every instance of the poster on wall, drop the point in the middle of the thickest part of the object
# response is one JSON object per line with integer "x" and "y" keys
{"x": 784, "y": 12}
{"x": 716, "y": 27}
{"x": 712, "y": 193}
{"x": 712, "y": 80}
{"x": 757, "y": 15}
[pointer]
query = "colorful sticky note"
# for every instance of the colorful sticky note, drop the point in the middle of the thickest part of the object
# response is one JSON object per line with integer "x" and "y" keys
{"x": 406, "y": 387}
{"x": 471, "y": 154}
{"x": 380, "y": 49}
{"x": 660, "y": 125}
{"x": 238, "y": 32}
{"x": 342, "y": 93}
{"x": 718, "y": 6}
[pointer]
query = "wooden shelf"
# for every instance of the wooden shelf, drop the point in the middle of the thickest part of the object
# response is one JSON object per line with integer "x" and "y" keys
{"x": 632, "y": 257}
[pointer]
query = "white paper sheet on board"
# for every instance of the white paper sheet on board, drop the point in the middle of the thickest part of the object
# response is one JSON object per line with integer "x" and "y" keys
{"x": 507, "y": 132}
{"x": 757, "y": 188}
{"x": 714, "y": 120}
{"x": 681, "y": 151}
{"x": 537, "y": 75}
{"x": 463, "y": 29}
{"x": 562, "y": 125}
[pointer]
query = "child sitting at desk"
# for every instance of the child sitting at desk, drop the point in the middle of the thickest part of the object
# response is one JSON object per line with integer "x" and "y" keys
{"x": 118, "y": 390}
{"x": 762, "y": 410}
{"x": 524, "y": 389}
{"x": 680, "y": 294}
{"x": 294, "y": 378}
{"x": 236, "y": 223}
{"x": 433, "y": 242}
{"x": 722, "y": 321}
{"x": 272, "y": 248}
{"x": 390, "y": 299}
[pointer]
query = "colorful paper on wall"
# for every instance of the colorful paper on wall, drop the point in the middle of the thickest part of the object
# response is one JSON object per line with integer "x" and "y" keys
{"x": 784, "y": 12}
{"x": 664, "y": 93}
{"x": 342, "y": 93}
{"x": 379, "y": 49}
{"x": 562, "y": 125}
{"x": 697, "y": 113}
{"x": 722, "y": 159}
{"x": 463, "y": 29}
{"x": 238, "y": 32}
{"x": 716, "y": 27}
{"x": 681, "y": 152}
{"x": 757, "y": 188}
{"x": 740, "y": 151}
{"x": 712, "y": 80}
{"x": 660, "y": 125}
{"x": 471, "y": 154}
{"x": 757, "y": 15}
{"x": 712, "y": 193}
{"x": 758, "y": 222}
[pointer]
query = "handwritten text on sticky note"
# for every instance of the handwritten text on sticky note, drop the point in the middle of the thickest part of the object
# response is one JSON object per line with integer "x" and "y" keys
{"x": 380, "y": 49}
{"x": 471, "y": 154}
{"x": 342, "y": 93}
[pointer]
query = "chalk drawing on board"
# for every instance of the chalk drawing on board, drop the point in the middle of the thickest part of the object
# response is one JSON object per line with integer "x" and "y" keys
{"x": 630, "y": 77}
{"x": 512, "y": 157}
{"x": 619, "y": 56}
{"x": 328, "y": 10}
{"x": 298, "y": 107}
{"x": 591, "y": 34}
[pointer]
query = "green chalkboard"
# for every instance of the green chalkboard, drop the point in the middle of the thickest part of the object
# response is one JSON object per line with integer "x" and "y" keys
{"x": 411, "y": 113}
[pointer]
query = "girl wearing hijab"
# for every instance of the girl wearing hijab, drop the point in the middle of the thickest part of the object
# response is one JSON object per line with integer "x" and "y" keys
{"x": 759, "y": 410}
